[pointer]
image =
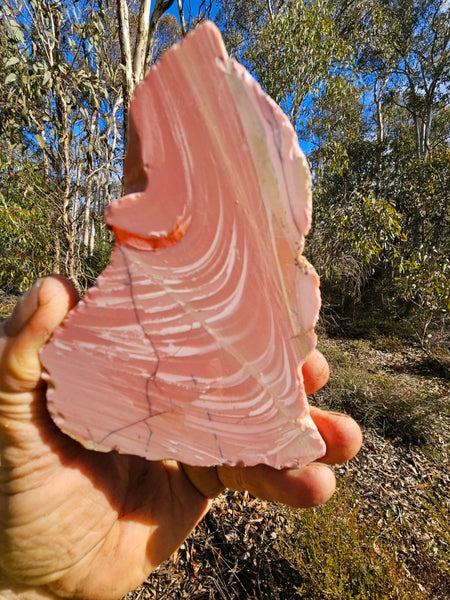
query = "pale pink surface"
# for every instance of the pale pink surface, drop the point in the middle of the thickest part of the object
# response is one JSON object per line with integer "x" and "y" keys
{"x": 188, "y": 345}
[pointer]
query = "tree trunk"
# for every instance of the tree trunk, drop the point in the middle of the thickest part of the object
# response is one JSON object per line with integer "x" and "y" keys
{"x": 125, "y": 51}
{"x": 68, "y": 223}
{"x": 137, "y": 63}
{"x": 182, "y": 21}
{"x": 378, "y": 89}
{"x": 161, "y": 6}
{"x": 141, "y": 42}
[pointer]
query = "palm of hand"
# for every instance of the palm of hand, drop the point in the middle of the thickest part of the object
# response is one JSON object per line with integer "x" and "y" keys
{"x": 68, "y": 514}
{"x": 81, "y": 524}
{"x": 83, "y": 511}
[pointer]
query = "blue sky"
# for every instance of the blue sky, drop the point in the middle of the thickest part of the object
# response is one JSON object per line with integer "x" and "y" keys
{"x": 189, "y": 6}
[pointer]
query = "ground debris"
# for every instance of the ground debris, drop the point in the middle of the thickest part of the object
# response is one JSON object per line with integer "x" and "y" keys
{"x": 234, "y": 553}
{"x": 231, "y": 555}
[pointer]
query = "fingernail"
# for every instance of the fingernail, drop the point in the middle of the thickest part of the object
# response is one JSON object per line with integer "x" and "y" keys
{"x": 24, "y": 310}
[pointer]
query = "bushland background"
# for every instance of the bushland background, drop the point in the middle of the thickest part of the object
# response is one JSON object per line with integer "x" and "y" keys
{"x": 365, "y": 83}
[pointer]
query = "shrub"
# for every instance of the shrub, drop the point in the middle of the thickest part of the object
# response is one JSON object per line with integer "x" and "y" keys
{"x": 26, "y": 244}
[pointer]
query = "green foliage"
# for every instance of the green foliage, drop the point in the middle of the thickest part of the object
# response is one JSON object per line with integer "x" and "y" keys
{"x": 387, "y": 141}
{"x": 403, "y": 53}
{"x": 60, "y": 119}
{"x": 26, "y": 246}
{"x": 27, "y": 242}
{"x": 351, "y": 239}
{"x": 427, "y": 279}
{"x": 333, "y": 120}
{"x": 424, "y": 281}
{"x": 382, "y": 229}
{"x": 294, "y": 51}
{"x": 97, "y": 260}
{"x": 421, "y": 189}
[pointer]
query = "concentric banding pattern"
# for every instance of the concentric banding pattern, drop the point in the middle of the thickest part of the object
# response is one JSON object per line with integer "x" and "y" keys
{"x": 190, "y": 351}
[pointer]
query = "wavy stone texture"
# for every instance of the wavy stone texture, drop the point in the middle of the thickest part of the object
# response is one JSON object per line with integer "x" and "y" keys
{"x": 188, "y": 345}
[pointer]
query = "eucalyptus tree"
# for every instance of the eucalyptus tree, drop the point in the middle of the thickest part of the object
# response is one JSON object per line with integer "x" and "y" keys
{"x": 290, "y": 46}
{"x": 366, "y": 84}
{"x": 138, "y": 36}
{"x": 404, "y": 54}
{"x": 60, "y": 99}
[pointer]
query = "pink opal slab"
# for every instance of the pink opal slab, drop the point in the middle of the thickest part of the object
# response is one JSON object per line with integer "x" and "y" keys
{"x": 187, "y": 347}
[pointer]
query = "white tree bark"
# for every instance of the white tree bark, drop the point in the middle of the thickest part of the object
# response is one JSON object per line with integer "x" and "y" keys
{"x": 137, "y": 61}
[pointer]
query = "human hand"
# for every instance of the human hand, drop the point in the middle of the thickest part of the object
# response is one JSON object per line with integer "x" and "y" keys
{"x": 80, "y": 524}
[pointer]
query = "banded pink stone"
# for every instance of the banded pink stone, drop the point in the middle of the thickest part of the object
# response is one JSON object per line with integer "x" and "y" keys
{"x": 188, "y": 345}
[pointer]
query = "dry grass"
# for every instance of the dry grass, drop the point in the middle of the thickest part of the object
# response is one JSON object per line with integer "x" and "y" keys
{"x": 383, "y": 536}
{"x": 385, "y": 387}
{"x": 343, "y": 553}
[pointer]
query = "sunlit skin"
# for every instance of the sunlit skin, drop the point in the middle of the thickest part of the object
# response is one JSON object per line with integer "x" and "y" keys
{"x": 79, "y": 524}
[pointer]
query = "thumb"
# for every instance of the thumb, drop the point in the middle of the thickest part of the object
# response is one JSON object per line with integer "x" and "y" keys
{"x": 34, "y": 319}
